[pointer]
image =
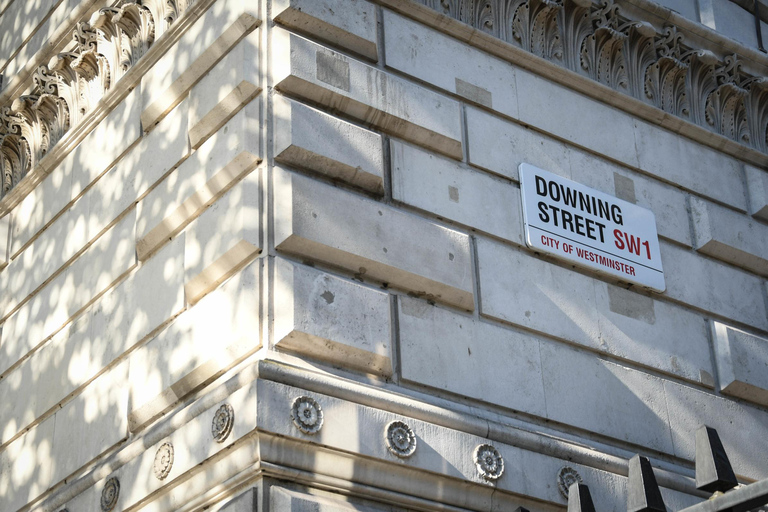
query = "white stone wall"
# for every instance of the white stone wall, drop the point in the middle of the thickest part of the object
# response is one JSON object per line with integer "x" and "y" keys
{"x": 320, "y": 199}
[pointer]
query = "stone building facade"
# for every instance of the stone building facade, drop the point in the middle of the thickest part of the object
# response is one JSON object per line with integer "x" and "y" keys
{"x": 270, "y": 255}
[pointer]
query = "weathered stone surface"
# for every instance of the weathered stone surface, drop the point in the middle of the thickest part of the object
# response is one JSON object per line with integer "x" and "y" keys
{"x": 210, "y": 171}
{"x": 443, "y": 61}
{"x": 462, "y": 355}
{"x": 332, "y": 319}
{"x": 743, "y": 429}
{"x": 229, "y": 86}
{"x": 44, "y": 257}
{"x": 91, "y": 423}
{"x": 501, "y": 146}
{"x": 352, "y": 27}
{"x": 392, "y": 104}
{"x": 605, "y": 397}
{"x": 730, "y": 236}
{"x": 311, "y": 139}
{"x": 742, "y": 361}
{"x": 223, "y": 239}
{"x": 181, "y": 358}
{"x": 121, "y": 128}
{"x": 197, "y": 52}
{"x": 139, "y": 170}
{"x": 13, "y": 33}
{"x": 679, "y": 160}
{"x": 5, "y": 240}
{"x": 314, "y": 221}
{"x": 451, "y": 191}
{"x": 22, "y": 477}
{"x": 88, "y": 276}
{"x": 757, "y": 186}
{"x": 571, "y": 116}
{"x": 712, "y": 286}
{"x": 533, "y": 293}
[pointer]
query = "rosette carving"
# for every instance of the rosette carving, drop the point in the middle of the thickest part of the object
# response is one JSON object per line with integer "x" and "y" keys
{"x": 222, "y": 423}
{"x": 489, "y": 462}
{"x": 110, "y": 494}
{"x": 566, "y": 477}
{"x": 163, "y": 461}
{"x": 307, "y": 415}
{"x": 401, "y": 441}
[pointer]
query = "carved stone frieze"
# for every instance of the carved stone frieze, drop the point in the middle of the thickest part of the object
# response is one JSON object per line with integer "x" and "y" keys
{"x": 163, "y": 461}
{"x": 63, "y": 91}
{"x": 595, "y": 39}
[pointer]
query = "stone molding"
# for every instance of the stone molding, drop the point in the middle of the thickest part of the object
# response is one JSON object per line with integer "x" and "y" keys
{"x": 658, "y": 67}
{"x": 69, "y": 87}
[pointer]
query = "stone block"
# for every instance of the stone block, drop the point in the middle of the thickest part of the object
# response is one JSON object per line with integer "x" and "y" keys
{"x": 452, "y": 191}
{"x": 535, "y": 294}
{"x": 227, "y": 88}
{"x": 604, "y": 397}
{"x": 44, "y": 257}
{"x": 139, "y": 170}
{"x": 501, "y": 146}
{"x": 5, "y": 240}
{"x": 757, "y": 186}
{"x": 667, "y": 203}
{"x": 182, "y": 359}
{"x": 322, "y": 76}
{"x": 742, "y": 361}
{"x": 571, "y": 116}
{"x": 688, "y": 164}
{"x": 91, "y": 423}
{"x": 319, "y": 222}
{"x": 138, "y": 306}
{"x": 714, "y": 287}
{"x": 199, "y": 181}
{"x": 201, "y": 47}
{"x": 44, "y": 379}
{"x": 96, "y": 270}
{"x": 351, "y": 26}
{"x": 19, "y": 22}
{"x": 93, "y": 156}
{"x": 449, "y": 64}
{"x": 115, "y": 135}
{"x": 468, "y": 357}
{"x": 328, "y": 318}
{"x": 311, "y": 139}
{"x": 22, "y": 476}
{"x": 729, "y": 236}
{"x": 223, "y": 239}
{"x": 731, "y": 21}
{"x": 743, "y": 429}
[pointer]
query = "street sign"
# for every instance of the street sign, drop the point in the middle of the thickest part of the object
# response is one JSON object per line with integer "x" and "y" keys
{"x": 590, "y": 228}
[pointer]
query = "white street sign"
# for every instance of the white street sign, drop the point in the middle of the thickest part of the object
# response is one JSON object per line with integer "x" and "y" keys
{"x": 590, "y": 228}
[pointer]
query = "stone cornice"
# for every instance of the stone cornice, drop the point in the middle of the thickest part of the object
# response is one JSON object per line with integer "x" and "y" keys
{"x": 78, "y": 87}
{"x": 648, "y": 71}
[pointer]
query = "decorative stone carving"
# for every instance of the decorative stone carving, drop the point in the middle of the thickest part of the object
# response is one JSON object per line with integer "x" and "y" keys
{"x": 598, "y": 41}
{"x": 110, "y": 494}
{"x": 401, "y": 440}
{"x": 489, "y": 462}
{"x": 64, "y": 91}
{"x": 163, "y": 461}
{"x": 222, "y": 423}
{"x": 566, "y": 477}
{"x": 307, "y": 415}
